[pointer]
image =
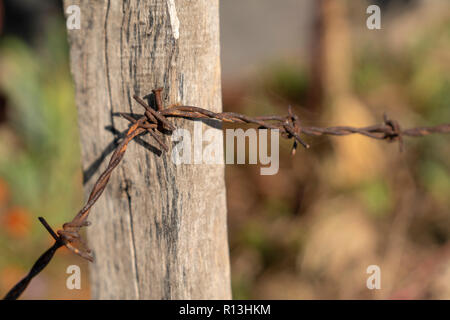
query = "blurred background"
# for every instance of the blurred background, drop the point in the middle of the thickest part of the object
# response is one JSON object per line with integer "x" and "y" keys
{"x": 308, "y": 232}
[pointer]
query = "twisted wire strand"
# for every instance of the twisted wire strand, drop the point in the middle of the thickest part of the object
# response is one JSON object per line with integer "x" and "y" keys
{"x": 156, "y": 123}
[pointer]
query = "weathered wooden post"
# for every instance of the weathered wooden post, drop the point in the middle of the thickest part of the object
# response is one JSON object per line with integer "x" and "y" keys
{"x": 159, "y": 230}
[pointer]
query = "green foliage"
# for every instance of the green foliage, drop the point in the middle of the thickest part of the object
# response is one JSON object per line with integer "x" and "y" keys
{"x": 39, "y": 150}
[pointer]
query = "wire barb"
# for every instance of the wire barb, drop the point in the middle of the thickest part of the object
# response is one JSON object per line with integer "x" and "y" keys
{"x": 38, "y": 266}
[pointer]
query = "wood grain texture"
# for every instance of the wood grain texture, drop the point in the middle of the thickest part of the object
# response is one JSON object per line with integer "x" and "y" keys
{"x": 159, "y": 230}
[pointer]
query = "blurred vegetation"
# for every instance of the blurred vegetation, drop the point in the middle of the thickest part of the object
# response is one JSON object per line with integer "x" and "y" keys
{"x": 39, "y": 155}
{"x": 312, "y": 230}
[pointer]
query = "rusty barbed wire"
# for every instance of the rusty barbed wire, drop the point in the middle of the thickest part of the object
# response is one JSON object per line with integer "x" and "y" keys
{"x": 156, "y": 123}
{"x": 38, "y": 266}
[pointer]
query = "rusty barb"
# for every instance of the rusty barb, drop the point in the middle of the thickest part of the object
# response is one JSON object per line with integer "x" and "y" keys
{"x": 157, "y": 124}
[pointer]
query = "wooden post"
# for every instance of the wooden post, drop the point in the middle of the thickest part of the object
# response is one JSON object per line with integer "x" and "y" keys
{"x": 159, "y": 230}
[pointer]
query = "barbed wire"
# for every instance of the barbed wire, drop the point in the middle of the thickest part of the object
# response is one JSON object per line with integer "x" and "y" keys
{"x": 156, "y": 123}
